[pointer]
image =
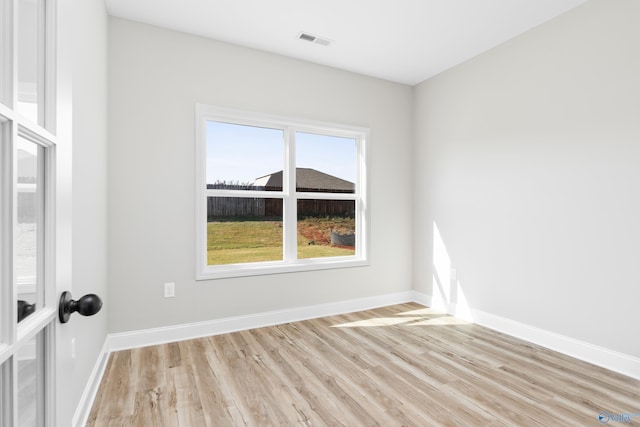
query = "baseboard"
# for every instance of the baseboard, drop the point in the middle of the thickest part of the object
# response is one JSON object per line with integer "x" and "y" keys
{"x": 422, "y": 299}
{"x": 600, "y": 356}
{"x": 155, "y": 336}
{"x": 91, "y": 389}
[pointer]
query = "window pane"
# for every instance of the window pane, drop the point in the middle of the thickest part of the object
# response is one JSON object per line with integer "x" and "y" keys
{"x": 244, "y": 157}
{"x": 325, "y": 164}
{"x": 243, "y": 229}
{"x": 326, "y": 228}
{"x": 29, "y": 228}
{"x": 30, "y": 63}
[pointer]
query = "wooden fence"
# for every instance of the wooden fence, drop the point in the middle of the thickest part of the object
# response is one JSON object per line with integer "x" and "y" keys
{"x": 236, "y": 207}
{"x": 320, "y": 207}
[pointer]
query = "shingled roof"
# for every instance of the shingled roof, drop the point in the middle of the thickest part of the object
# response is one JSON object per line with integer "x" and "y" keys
{"x": 308, "y": 180}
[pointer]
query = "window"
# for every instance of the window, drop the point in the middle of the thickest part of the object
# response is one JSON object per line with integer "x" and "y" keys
{"x": 277, "y": 194}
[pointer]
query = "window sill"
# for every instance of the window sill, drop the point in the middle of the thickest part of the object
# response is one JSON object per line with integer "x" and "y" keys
{"x": 265, "y": 268}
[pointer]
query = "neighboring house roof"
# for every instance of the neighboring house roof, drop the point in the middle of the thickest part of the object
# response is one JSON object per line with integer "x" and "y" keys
{"x": 308, "y": 179}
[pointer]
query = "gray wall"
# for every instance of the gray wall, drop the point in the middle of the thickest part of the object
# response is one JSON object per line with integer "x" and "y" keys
{"x": 527, "y": 159}
{"x": 89, "y": 182}
{"x": 155, "y": 78}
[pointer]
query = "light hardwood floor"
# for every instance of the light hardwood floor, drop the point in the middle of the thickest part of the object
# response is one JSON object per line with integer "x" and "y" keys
{"x": 402, "y": 365}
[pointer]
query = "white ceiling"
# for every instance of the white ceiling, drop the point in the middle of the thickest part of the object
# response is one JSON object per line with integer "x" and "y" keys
{"x": 405, "y": 41}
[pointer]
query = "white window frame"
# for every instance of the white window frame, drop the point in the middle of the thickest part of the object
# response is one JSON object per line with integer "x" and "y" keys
{"x": 290, "y": 262}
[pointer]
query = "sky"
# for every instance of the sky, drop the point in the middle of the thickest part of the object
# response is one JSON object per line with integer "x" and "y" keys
{"x": 238, "y": 153}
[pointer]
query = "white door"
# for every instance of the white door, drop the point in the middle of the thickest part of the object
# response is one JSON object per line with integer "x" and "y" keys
{"x": 35, "y": 231}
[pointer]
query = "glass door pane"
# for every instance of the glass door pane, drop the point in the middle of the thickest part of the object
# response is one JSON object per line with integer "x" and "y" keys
{"x": 6, "y": 224}
{"x": 30, "y": 381}
{"x": 5, "y": 393}
{"x": 6, "y": 50}
{"x": 31, "y": 58}
{"x": 29, "y": 228}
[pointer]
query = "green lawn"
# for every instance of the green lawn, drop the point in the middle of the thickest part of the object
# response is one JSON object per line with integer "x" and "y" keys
{"x": 231, "y": 242}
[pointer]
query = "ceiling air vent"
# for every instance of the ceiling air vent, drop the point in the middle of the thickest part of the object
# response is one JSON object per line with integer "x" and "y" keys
{"x": 314, "y": 39}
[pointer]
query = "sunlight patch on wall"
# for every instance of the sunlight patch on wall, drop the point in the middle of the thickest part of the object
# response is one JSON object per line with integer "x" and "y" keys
{"x": 462, "y": 310}
{"x": 448, "y": 294}
{"x": 442, "y": 271}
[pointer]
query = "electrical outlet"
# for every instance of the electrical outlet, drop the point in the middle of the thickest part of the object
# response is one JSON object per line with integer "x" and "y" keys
{"x": 169, "y": 290}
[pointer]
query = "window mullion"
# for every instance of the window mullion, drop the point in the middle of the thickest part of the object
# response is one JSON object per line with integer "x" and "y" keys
{"x": 327, "y": 196}
{"x": 362, "y": 192}
{"x": 290, "y": 234}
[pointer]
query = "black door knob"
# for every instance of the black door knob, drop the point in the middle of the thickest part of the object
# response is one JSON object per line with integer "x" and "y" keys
{"x": 87, "y": 305}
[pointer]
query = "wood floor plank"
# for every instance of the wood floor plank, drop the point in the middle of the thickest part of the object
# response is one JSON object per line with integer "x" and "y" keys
{"x": 117, "y": 390}
{"x": 189, "y": 406}
{"x": 151, "y": 390}
{"x": 404, "y": 365}
{"x": 213, "y": 403}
